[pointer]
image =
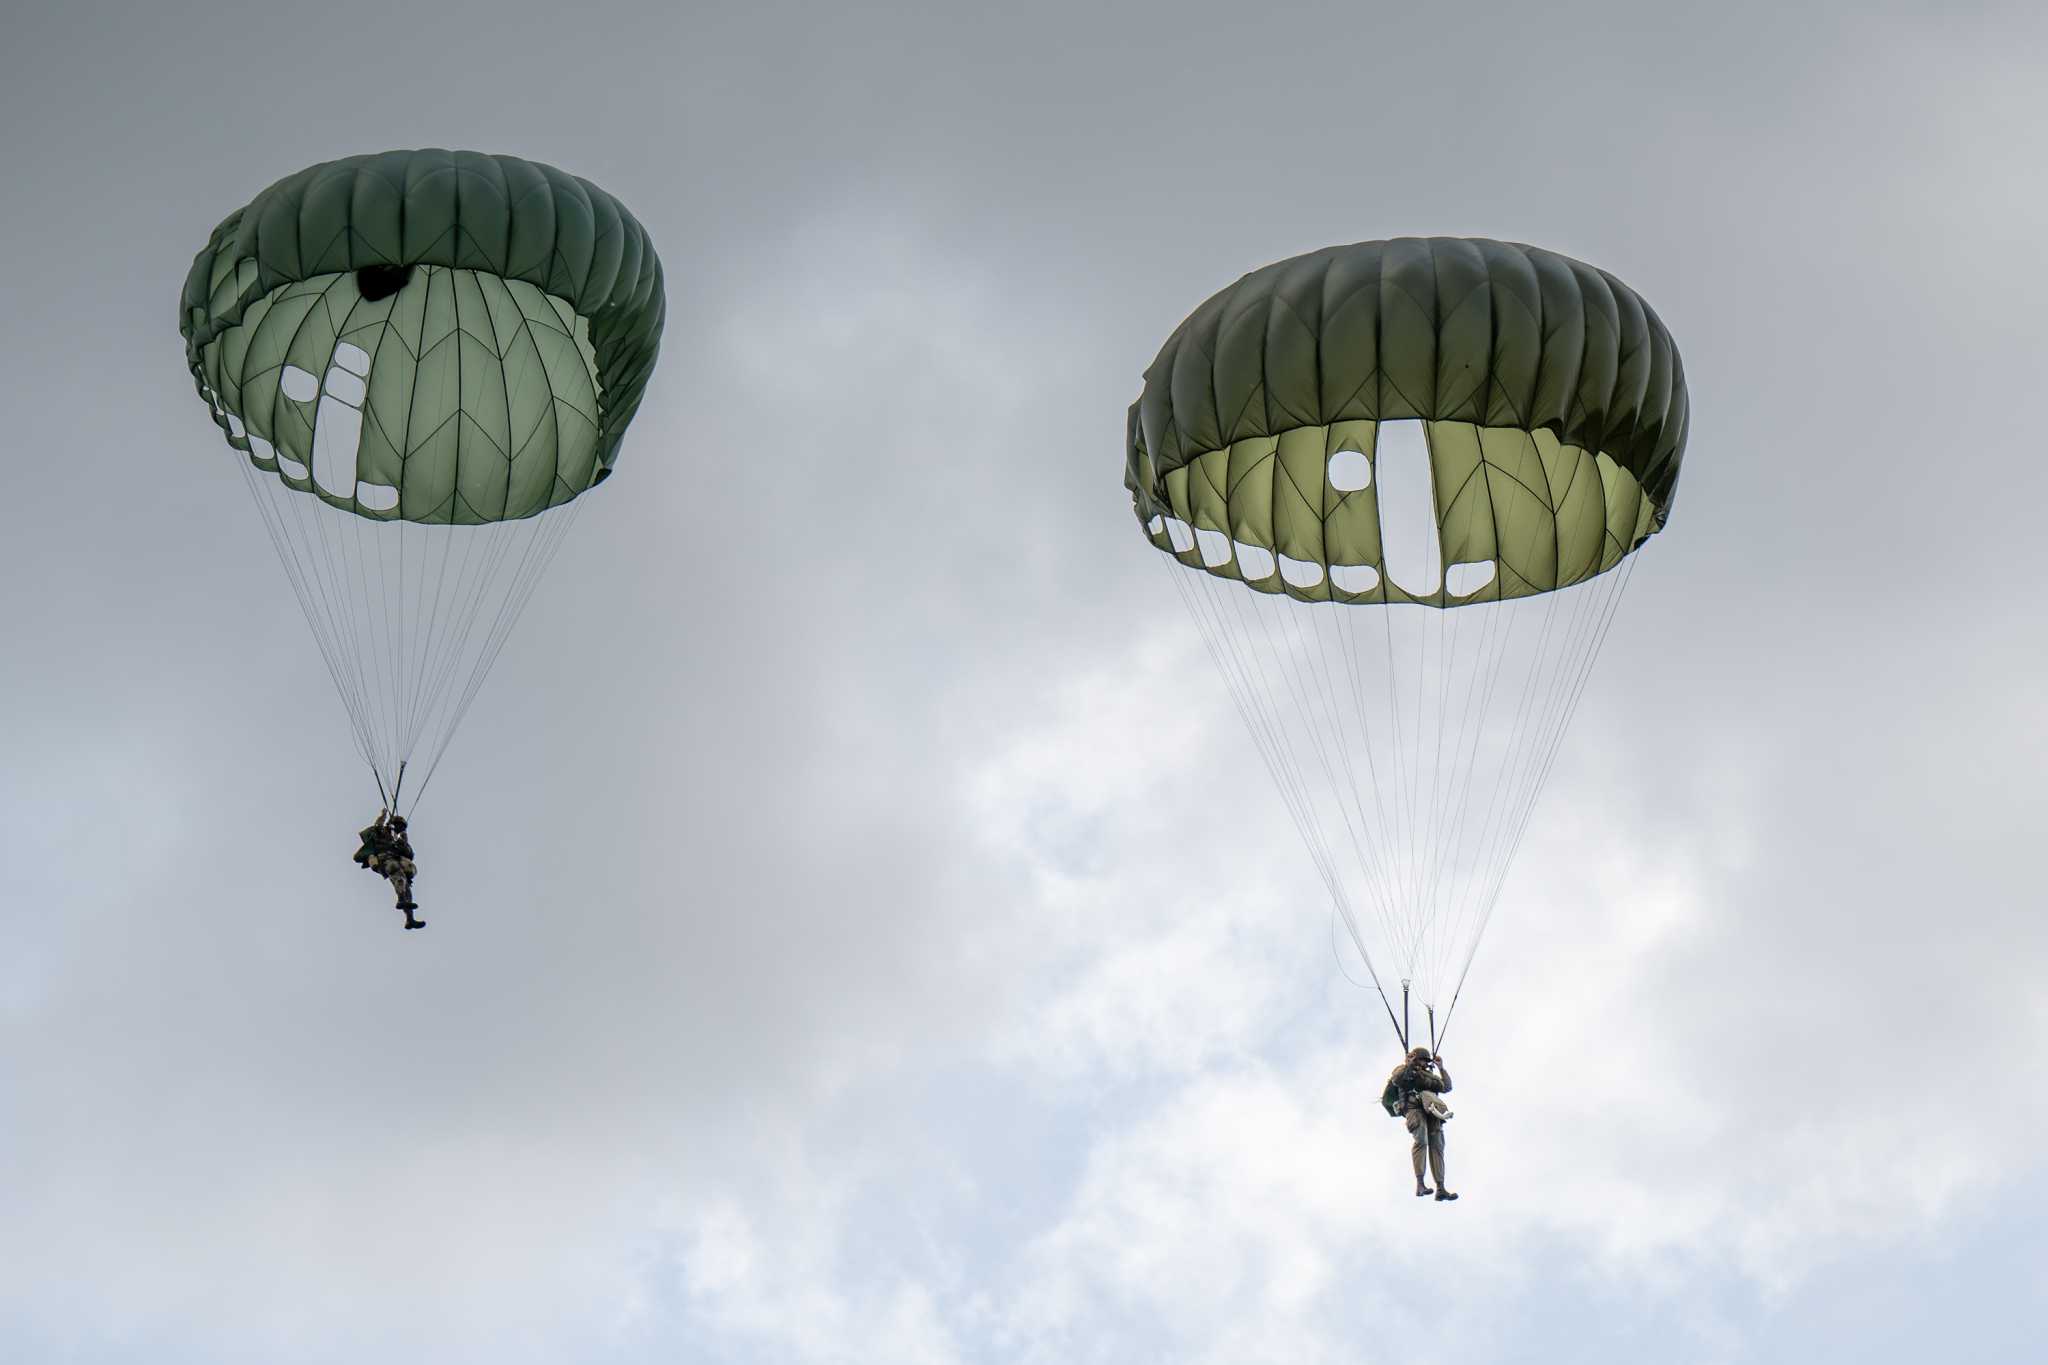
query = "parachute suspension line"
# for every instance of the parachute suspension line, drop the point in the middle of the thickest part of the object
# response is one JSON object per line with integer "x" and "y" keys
{"x": 1443, "y": 628}
{"x": 1544, "y": 732}
{"x": 1231, "y": 667}
{"x": 1347, "y": 654}
{"x": 310, "y": 517}
{"x": 1251, "y": 692}
{"x": 1401, "y": 834}
{"x": 1427, "y": 855}
{"x": 541, "y": 547}
{"x": 1462, "y": 826}
{"x": 1337, "y": 954}
{"x": 1604, "y": 617}
{"x": 1372, "y": 880}
{"x": 1262, "y": 723}
{"x": 1447, "y": 660}
{"x": 484, "y": 551}
{"x": 1237, "y": 675}
{"x": 1360, "y": 829}
{"x": 1263, "y": 717}
{"x": 1417, "y": 892}
{"x": 1497, "y": 650}
{"x": 1592, "y": 627}
{"x": 1449, "y": 817}
{"x": 1382, "y": 864}
{"x": 320, "y": 612}
{"x": 336, "y": 575}
{"x": 1537, "y": 730}
{"x": 1294, "y": 657}
{"x": 484, "y": 548}
{"x": 1507, "y": 794}
{"x": 427, "y": 634}
{"x": 1264, "y": 702}
{"x": 371, "y": 631}
{"x": 338, "y": 567}
{"x": 1246, "y": 671}
{"x": 315, "y": 522}
{"x": 426, "y": 614}
{"x": 1395, "y": 732}
{"x": 1426, "y": 858}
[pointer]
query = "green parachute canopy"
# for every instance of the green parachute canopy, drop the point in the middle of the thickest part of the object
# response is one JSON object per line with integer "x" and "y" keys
{"x": 490, "y": 321}
{"x": 1395, "y": 481}
{"x": 1553, "y": 399}
{"x": 424, "y": 359}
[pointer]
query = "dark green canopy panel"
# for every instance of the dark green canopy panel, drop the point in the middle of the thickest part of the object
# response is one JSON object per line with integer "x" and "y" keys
{"x": 475, "y": 331}
{"x": 1553, "y": 400}
{"x": 424, "y": 359}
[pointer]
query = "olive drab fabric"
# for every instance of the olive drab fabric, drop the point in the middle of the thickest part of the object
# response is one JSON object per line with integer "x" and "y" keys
{"x": 1554, "y": 402}
{"x": 483, "y": 328}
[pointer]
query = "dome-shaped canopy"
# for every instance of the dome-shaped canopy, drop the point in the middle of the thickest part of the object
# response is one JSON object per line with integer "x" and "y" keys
{"x": 471, "y": 333}
{"x": 1553, "y": 400}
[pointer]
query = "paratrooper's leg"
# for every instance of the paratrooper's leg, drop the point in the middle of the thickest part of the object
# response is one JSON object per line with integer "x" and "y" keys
{"x": 1436, "y": 1157}
{"x": 400, "y": 872}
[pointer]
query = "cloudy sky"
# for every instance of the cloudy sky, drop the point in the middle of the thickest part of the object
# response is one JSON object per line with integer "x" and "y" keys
{"x": 861, "y": 929}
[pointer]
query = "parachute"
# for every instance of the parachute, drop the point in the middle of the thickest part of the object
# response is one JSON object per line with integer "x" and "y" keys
{"x": 1402, "y": 484}
{"x": 422, "y": 360}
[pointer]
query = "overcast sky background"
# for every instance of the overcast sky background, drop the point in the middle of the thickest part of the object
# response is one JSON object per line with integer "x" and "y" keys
{"x": 861, "y": 930}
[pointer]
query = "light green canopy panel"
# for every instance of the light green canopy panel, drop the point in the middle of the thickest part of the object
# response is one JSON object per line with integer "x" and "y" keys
{"x": 432, "y": 336}
{"x": 424, "y": 360}
{"x": 1552, "y": 397}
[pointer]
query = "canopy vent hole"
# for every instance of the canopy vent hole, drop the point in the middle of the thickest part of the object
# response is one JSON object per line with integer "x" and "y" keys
{"x": 1350, "y": 471}
{"x": 1408, "y": 533}
{"x": 338, "y": 426}
{"x": 377, "y": 282}
{"x": 1462, "y": 580}
{"x": 1300, "y": 573}
{"x": 1354, "y": 578}
{"x": 298, "y": 385}
{"x": 1254, "y": 562}
{"x": 1215, "y": 548}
